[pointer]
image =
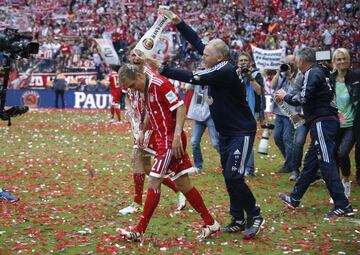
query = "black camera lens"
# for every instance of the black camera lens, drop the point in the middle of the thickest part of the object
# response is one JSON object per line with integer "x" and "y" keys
{"x": 245, "y": 69}
{"x": 284, "y": 67}
{"x": 17, "y": 44}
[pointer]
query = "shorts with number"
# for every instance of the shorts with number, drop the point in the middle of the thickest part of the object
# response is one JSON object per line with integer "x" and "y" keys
{"x": 166, "y": 165}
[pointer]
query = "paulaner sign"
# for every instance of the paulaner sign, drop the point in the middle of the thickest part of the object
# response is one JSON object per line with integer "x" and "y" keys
{"x": 46, "y": 99}
{"x": 91, "y": 101}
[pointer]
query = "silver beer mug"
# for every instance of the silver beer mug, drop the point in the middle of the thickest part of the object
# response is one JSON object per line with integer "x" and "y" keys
{"x": 296, "y": 119}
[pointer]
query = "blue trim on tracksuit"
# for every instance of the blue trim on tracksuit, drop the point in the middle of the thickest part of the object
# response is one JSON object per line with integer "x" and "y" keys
{"x": 320, "y": 112}
{"x": 233, "y": 120}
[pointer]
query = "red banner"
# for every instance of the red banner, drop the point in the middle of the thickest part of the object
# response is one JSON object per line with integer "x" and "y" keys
{"x": 41, "y": 80}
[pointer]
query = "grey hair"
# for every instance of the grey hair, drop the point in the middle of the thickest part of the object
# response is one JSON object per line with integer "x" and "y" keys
{"x": 128, "y": 72}
{"x": 307, "y": 54}
{"x": 220, "y": 47}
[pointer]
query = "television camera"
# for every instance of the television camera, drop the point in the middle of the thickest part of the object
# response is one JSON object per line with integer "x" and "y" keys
{"x": 13, "y": 45}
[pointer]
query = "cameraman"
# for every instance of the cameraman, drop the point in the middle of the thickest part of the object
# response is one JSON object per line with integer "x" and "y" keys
{"x": 12, "y": 45}
{"x": 254, "y": 83}
{"x": 284, "y": 131}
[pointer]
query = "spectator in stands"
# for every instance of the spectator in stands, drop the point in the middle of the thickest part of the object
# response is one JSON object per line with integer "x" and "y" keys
{"x": 65, "y": 54}
{"x": 98, "y": 63}
{"x": 239, "y": 24}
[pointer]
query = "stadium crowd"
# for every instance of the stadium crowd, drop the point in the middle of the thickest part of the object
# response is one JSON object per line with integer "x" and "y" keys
{"x": 67, "y": 28}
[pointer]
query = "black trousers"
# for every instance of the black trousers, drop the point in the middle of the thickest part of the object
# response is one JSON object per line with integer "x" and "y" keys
{"x": 61, "y": 94}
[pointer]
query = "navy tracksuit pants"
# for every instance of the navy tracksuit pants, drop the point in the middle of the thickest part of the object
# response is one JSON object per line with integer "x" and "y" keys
{"x": 322, "y": 153}
{"x": 234, "y": 154}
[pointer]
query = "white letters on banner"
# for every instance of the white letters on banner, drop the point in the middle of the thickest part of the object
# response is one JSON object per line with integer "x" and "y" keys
{"x": 91, "y": 101}
{"x": 108, "y": 52}
{"x": 41, "y": 80}
{"x": 267, "y": 59}
{"x": 149, "y": 41}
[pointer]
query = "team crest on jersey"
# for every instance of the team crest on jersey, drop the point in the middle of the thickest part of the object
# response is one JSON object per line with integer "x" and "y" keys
{"x": 151, "y": 98}
{"x": 171, "y": 97}
{"x": 210, "y": 100}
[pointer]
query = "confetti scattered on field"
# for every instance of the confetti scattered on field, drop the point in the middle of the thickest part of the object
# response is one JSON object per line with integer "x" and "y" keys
{"x": 71, "y": 170}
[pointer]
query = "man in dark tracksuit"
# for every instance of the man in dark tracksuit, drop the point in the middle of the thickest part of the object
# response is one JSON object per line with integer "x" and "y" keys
{"x": 233, "y": 120}
{"x": 320, "y": 111}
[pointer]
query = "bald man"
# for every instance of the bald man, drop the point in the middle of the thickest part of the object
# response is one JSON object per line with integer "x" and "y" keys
{"x": 233, "y": 120}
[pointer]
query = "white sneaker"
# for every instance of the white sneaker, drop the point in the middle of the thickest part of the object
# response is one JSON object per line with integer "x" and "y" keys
{"x": 193, "y": 170}
{"x": 181, "y": 201}
{"x": 208, "y": 230}
{"x": 347, "y": 187}
{"x": 133, "y": 208}
{"x": 130, "y": 235}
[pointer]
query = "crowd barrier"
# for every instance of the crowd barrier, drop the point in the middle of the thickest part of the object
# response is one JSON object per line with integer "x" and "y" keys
{"x": 46, "y": 99}
{"x": 73, "y": 99}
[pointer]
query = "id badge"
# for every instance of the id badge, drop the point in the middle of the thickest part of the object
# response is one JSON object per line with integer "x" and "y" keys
{"x": 200, "y": 97}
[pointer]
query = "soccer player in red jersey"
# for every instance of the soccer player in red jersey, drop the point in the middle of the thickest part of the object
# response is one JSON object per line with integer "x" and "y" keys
{"x": 165, "y": 113}
{"x": 141, "y": 157}
{"x": 115, "y": 92}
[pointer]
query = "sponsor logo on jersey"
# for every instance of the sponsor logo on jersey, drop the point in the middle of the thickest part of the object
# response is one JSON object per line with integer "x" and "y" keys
{"x": 171, "y": 97}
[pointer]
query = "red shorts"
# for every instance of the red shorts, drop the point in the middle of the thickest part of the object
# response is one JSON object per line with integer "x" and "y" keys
{"x": 115, "y": 97}
{"x": 166, "y": 165}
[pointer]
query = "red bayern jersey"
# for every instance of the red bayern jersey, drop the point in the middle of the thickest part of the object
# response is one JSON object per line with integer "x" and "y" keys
{"x": 114, "y": 82}
{"x": 162, "y": 101}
